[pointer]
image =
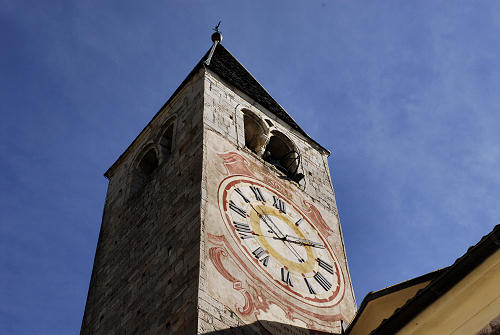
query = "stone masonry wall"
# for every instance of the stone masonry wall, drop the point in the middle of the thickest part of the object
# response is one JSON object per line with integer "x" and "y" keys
{"x": 145, "y": 275}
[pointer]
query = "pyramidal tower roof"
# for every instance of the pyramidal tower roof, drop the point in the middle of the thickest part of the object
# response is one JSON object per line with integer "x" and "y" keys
{"x": 219, "y": 60}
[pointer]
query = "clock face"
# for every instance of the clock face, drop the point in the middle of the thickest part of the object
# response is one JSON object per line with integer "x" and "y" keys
{"x": 280, "y": 241}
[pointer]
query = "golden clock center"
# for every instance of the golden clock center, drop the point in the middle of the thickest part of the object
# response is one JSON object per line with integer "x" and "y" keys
{"x": 255, "y": 217}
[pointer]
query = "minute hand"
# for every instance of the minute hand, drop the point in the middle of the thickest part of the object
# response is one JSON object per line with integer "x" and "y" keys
{"x": 303, "y": 241}
{"x": 283, "y": 238}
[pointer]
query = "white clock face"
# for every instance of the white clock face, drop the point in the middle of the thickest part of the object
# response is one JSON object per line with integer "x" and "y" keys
{"x": 280, "y": 241}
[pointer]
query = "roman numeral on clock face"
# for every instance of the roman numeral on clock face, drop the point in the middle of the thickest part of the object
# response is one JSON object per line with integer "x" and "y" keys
{"x": 257, "y": 193}
{"x": 322, "y": 281}
{"x": 261, "y": 252}
{"x": 325, "y": 265}
{"x": 236, "y": 209}
{"x": 242, "y": 195}
{"x": 243, "y": 229}
{"x": 286, "y": 277}
{"x": 279, "y": 204}
{"x": 311, "y": 290}
{"x": 258, "y": 252}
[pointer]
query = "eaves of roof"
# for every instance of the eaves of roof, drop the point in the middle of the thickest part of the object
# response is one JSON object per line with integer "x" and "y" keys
{"x": 391, "y": 289}
{"x": 464, "y": 265}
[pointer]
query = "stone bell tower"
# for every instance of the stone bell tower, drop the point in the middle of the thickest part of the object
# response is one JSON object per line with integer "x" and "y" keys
{"x": 220, "y": 218}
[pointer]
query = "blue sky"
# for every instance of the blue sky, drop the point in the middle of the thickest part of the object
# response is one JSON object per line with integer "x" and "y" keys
{"x": 404, "y": 94}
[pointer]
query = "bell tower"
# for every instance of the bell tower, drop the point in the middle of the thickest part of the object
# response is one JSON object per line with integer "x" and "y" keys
{"x": 220, "y": 218}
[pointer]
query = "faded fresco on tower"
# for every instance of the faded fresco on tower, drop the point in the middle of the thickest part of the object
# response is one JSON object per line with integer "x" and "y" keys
{"x": 271, "y": 252}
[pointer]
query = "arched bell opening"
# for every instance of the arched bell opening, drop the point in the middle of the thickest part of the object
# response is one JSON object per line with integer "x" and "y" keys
{"x": 143, "y": 169}
{"x": 282, "y": 153}
{"x": 255, "y": 132}
{"x": 166, "y": 142}
{"x": 148, "y": 163}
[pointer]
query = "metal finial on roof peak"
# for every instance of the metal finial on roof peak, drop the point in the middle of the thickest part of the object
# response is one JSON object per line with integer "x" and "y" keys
{"x": 217, "y": 36}
{"x": 216, "y": 28}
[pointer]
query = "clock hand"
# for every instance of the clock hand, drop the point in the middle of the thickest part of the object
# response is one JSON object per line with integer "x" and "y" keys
{"x": 273, "y": 237}
{"x": 265, "y": 221}
{"x": 274, "y": 232}
{"x": 303, "y": 241}
{"x": 269, "y": 218}
{"x": 294, "y": 239}
{"x": 289, "y": 246}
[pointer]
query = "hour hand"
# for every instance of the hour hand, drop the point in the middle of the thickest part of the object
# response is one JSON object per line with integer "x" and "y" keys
{"x": 303, "y": 241}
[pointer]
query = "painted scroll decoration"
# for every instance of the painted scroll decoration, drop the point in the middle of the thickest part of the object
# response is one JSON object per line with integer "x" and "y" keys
{"x": 235, "y": 164}
{"x": 215, "y": 254}
{"x": 314, "y": 214}
{"x": 258, "y": 296}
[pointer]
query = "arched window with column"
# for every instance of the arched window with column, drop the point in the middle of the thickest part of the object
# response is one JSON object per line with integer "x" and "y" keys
{"x": 167, "y": 141}
{"x": 143, "y": 168}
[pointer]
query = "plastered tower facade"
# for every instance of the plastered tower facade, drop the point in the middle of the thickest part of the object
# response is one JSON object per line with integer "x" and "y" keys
{"x": 220, "y": 218}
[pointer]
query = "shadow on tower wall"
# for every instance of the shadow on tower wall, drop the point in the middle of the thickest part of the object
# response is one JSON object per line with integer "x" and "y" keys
{"x": 268, "y": 327}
